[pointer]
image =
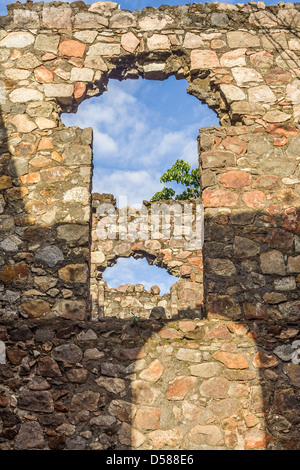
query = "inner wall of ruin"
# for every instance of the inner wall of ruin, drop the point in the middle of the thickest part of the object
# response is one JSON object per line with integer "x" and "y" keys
{"x": 225, "y": 373}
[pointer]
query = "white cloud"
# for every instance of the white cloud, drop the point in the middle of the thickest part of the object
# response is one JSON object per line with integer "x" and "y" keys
{"x": 132, "y": 271}
{"x": 133, "y": 186}
{"x": 104, "y": 144}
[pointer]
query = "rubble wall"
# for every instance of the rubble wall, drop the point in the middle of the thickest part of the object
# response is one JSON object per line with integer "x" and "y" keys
{"x": 226, "y": 380}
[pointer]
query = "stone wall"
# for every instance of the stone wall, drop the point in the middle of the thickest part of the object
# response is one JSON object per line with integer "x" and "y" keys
{"x": 169, "y": 234}
{"x": 74, "y": 380}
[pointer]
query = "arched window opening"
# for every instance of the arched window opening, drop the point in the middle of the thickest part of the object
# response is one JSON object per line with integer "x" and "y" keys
{"x": 140, "y": 128}
{"x": 134, "y": 289}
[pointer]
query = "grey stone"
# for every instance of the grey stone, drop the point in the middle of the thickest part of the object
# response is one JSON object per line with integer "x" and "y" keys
{"x": 18, "y": 166}
{"x": 47, "y": 43}
{"x": 284, "y": 352}
{"x": 73, "y": 233}
{"x": 158, "y": 312}
{"x": 51, "y": 255}
{"x": 67, "y": 353}
{"x": 219, "y": 19}
{"x": 88, "y": 335}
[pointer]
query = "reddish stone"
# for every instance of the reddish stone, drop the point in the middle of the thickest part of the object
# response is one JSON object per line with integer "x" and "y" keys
{"x": 3, "y": 402}
{"x": 79, "y": 90}
{"x": 263, "y": 361}
{"x": 179, "y": 387}
{"x": 254, "y": 199}
{"x": 235, "y": 179}
{"x": 153, "y": 372}
{"x": 230, "y": 439}
{"x": 235, "y": 145}
{"x": 45, "y": 143}
{"x": 185, "y": 270}
{"x": 170, "y": 333}
{"x": 129, "y": 42}
{"x": 71, "y": 48}
{"x": 262, "y": 59}
{"x": 57, "y": 442}
{"x": 169, "y": 438}
{"x": 31, "y": 178}
{"x": 274, "y": 209}
{"x": 291, "y": 219}
{"x": 43, "y": 75}
{"x": 221, "y": 332}
{"x": 255, "y": 439}
{"x": 15, "y": 356}
{"x": 282, "y": 130}
{"x": 231, "y": 360}
{"x": 219, "y": 198}
{"x": 14, "y": 274}
{"x": 254, "y": 310}
{"x": 277, "y": 76}
{"x": 147, "y": 418}
{"x": 280, "y": 141}
{"x": 196, "y": 261}
{"x": 187, "y": 325}
{"x": 266, "y": 182}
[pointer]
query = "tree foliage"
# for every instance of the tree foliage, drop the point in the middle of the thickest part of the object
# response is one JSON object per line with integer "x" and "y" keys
{"x": 181, "y": 173}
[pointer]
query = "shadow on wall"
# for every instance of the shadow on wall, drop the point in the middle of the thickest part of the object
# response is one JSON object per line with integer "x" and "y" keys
{"x": 225, "y": 381}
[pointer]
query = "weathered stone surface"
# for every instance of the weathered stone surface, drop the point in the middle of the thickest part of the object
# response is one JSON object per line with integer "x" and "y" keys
{"x": 73, "y": 273}
{"x": 69, "y": 353}
{"x": 203, "y": 59}
{"x": 161, "y": 438}
{"x": 36, "y": 308}
{"x": 147, "y": 418}
{"x": 272, "y": 262}
{"x": 17, "y": 39}
{"x": 48, "y": 367}
{"x": 153, "y": 372}
{"x": 38, "y": 401}
{"x": 30, "y": 437}
{"x": 209, "y": 435}
{"x": 87, "y": 401}
{"x": 231, "y": 360}
{"x": 179, "y": 387}
{"x": 213, "y": 381}
{"x": 57, "y": 17}
{"x": 51, "y": 255}
{"x": 215, "y": 387}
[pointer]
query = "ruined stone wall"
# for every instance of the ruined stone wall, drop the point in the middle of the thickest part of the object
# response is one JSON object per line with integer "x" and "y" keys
{"x": 227, "y": 380}
{"x": 168, "y": 234}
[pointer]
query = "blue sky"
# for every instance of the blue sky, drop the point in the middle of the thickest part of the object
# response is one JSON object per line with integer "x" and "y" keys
{"x": 140, "y": 128}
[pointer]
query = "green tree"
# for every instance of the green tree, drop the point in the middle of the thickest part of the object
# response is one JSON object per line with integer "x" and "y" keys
{"x": 181, "y": 173}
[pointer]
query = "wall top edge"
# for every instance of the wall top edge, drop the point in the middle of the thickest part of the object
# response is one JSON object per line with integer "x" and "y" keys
{"x": 255, "y": 10}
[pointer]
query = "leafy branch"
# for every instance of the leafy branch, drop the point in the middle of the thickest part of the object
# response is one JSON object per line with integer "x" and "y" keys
{"x": 181, "y": 173}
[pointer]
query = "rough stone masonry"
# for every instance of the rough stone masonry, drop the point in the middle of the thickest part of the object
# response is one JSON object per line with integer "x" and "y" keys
{"x": 226, "y": 379}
